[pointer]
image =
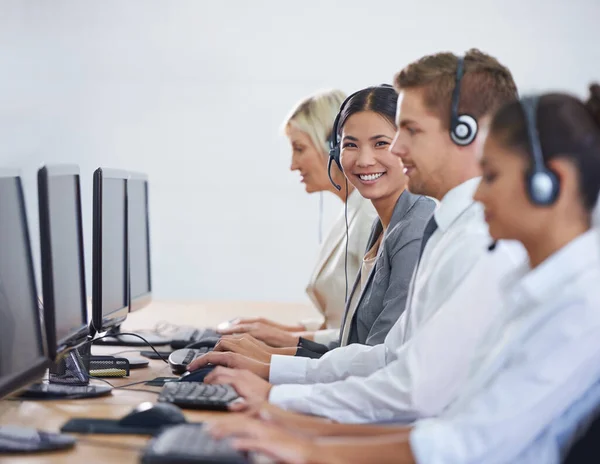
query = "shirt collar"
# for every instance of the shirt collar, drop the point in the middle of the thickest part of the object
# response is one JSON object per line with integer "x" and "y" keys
{"x": 455, "y": 202}
{"x": 533, "y": 286}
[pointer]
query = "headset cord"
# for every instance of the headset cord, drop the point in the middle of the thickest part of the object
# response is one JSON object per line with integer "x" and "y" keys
{"x": 320, "y": 218}
{"x": 138, "y": 336}
{"x": 346, "y": 255}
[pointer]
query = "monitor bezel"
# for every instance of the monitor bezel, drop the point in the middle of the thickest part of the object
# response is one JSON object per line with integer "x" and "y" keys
{"x": 11, "y": 384}
{"x": 141, "y": 301}
{"x": 102, "y": 323}
{"x": 58, "y": 348}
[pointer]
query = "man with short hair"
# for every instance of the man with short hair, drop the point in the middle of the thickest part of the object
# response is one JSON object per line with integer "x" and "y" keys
{"x": 455, "y": 293}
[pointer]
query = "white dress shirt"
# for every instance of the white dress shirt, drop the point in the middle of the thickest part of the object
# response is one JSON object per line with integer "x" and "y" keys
{"x": 537, "y": 368}
{"x": 427, "y": 353}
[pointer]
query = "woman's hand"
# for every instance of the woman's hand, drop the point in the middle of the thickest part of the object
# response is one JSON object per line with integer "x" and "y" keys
{"x": 270, "y": 335}
{"x": 245, "y": 346}
{"x": 254, "y": 435}
{"x": 262, "y": 320}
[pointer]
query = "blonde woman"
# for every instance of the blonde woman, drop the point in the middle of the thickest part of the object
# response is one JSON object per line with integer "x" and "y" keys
{"x": 308, "y": 128}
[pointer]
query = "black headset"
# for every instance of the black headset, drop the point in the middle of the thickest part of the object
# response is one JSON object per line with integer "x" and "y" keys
{"x": 334, "y": 141}
{"x": 463, "y": 127}
{"x": 541, "y": 182}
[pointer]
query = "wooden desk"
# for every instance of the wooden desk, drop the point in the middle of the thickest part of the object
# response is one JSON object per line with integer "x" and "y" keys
{"x": 51, "y": 415}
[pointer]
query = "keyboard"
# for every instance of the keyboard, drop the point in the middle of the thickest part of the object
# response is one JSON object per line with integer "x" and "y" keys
{"x": 49, "y": 391}
{"x": 194, "y": 395}
{"x": 179, "y": 359}
{"x": 20, "y": 439}
{"x": 183, "y": 337}
{"x": 189, "y": 443}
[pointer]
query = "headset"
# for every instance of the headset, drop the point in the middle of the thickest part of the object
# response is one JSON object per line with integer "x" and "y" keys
{"x": 334, "y": 141}
{"x": 334, "y": 156}
{"x": 463, "y": 127}
{"x": 543, "y": 185}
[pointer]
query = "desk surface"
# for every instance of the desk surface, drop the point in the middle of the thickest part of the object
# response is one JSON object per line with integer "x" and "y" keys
{"x": 51, "y": 415}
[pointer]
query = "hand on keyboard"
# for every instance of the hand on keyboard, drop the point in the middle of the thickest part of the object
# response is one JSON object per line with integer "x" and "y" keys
{"x": 270, "y": 335}
{"x": 248, "y": 386}
{"x": 246, "y": 347}
{"x": 231, "y": 360}
{"x": 272, "y": 440}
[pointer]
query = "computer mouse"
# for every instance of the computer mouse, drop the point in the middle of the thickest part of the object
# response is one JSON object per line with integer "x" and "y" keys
{"x": 153, "y": 415}
{"x": 197, "y": 375}
{"x": 208, "y": 342}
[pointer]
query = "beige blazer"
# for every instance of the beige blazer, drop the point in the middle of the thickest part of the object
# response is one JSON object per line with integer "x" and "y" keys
{"x": 327, "y": 286}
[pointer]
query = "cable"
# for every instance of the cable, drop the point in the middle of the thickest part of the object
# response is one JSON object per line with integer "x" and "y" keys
{"x": 102, "y": 380}
{"x": 320, "y": 218}
{"x": 134, "y": 383}
{"x": 125, "y": 351}
{"x": 346, "y": 255}
{"x": 143, "y": 390}
{"x": 134, "y": 335}
{"x": 125, "y": 387}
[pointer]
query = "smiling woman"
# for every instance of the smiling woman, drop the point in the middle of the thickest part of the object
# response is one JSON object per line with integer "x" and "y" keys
{"x": 308, "y": 128}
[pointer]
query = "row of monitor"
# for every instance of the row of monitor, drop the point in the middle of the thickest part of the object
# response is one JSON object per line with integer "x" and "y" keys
{"x": 121, "y": 267}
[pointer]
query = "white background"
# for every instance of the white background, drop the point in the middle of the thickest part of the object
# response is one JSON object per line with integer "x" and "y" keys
{"x": 194, "y": 93}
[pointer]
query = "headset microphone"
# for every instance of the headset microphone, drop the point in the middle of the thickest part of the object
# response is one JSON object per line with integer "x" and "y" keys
{"x": 492, "y": 246}
{"x": 337, "y": 186}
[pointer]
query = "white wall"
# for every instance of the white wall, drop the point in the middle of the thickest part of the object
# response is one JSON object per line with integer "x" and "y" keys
{"x": 193, "y": 93}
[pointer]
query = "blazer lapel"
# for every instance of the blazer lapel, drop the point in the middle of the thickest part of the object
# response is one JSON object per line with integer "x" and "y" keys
{"x": 405, "y": 202}
{"x": 375, "y": 232}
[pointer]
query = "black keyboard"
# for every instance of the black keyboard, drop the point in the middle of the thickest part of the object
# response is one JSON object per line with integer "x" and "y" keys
{"x": 183, "y": 337}
{"x": 179, "y": 359}
{"x": 189, "y": 443}
{"x": 195, "y": 395}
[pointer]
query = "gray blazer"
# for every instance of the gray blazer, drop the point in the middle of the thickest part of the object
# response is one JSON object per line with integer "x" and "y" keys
{"x": 383, "y": 299}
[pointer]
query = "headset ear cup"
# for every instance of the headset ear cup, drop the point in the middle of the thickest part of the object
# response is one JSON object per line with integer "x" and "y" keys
{"x": 465, "y": 130}
{"x": 542, "y": 187}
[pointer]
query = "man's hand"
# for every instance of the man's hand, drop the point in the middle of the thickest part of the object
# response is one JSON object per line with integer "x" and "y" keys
{"x": 245, "y": 347}
{"x": 270, "y": 335}
{"x": 292, "y": 421}
{"x": 249, "y": 386}
{"x": 254, "y": 435}
{"x": 231, "y": 360}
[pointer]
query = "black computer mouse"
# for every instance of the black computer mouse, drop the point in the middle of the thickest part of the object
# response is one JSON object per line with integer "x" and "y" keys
{"x": 197, "y": 375}
{"x": 208, "y": 342}
{"x": 153, "y": 415}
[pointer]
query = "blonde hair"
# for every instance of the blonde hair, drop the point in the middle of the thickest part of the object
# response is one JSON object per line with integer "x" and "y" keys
{"x": 314, "y": 115}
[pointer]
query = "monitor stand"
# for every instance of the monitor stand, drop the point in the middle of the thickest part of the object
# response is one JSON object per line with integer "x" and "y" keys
{"x": 26, "y": 440}
{"x": 69, "y": 379}
{"x": 119, "y": 339}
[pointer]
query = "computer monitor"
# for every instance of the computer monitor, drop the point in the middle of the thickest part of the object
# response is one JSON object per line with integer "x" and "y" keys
{"x": 23, "y": 349}
{"x": 110, "y": 280}
{"x": 140, "y": 276}
{"x": 63, "y": 285}
{"x": 23, "y": 353}
{"x": 111, "y": 258}
{"x": 63, "y": 267}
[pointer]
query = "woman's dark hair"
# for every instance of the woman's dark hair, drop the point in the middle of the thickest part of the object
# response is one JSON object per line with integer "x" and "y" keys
{"x": 381, "y": 100}
{"x": 568, "y": 128}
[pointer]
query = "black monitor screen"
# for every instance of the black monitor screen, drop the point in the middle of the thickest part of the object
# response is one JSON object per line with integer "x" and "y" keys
{"x": 62, "y": 254}
{"x": 21, "y": 346}
{"x": 114, "y": 250}
{"x": 139, "y": 246}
